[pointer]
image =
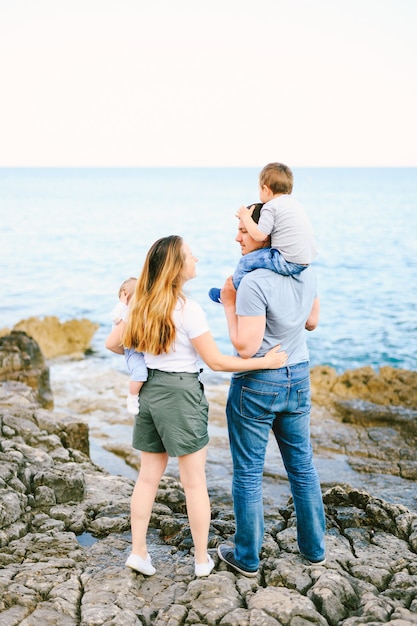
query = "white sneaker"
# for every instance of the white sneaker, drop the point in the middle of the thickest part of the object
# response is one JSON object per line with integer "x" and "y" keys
{"x": 132, "y": 403}
{"x": 144, "y": 566}
{"x": 204, "y": 569}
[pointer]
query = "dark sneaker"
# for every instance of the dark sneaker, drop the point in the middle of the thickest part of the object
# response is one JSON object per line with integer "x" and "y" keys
{"x": 310, "y": 562}
{"x": 323, "y": 562}
{"x": 214, "y": 294}
{"x": 226, "y": 554}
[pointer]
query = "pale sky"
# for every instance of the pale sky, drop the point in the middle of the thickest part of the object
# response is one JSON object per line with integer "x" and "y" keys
{"x": 208, "y": 82}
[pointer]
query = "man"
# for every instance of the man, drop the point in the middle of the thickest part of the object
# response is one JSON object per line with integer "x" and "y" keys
{"x": 268, "y": 309}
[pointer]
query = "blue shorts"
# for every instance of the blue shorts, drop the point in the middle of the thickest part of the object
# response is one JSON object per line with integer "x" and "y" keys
{"x": 136, "y": 365}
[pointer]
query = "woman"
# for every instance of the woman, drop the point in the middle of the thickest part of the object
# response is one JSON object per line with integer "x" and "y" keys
{"x": 172, "y": 332}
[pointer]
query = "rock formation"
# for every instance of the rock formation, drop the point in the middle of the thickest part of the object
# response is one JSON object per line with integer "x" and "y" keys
{"x": 389, "y": 386}
{"x": 56, "y": 338}
{"x": 65, "y": 535}
{"x": 21, "y": 360}
{"x": 382, "y": 405}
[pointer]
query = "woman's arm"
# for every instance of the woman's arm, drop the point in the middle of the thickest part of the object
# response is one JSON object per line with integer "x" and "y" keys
{"x": 114, "y": 339}
{"x": 209, "y": 352}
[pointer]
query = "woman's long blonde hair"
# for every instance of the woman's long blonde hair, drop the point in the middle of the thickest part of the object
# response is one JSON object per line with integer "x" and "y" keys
{"x": 150, "y": 327}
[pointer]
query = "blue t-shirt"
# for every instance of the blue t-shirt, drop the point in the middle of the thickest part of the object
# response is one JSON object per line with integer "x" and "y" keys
{"x": 286, "y": 301}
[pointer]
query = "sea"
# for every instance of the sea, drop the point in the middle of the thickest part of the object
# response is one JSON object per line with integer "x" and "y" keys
{"x": 69, "y": 237}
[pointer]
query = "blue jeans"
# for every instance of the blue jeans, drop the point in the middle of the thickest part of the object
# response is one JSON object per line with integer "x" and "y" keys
{"x": 268, "y": 258}
{"x": 258, "y": 401}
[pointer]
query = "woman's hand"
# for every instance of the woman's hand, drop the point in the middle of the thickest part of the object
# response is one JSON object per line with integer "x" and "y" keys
{"x": 274, "y": 359}
{"x": 114, "y": 339}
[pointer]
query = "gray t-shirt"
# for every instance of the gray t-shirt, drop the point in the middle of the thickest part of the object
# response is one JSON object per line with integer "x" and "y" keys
{"x": 285, "y": 219}
{"x": 286, "y": 301}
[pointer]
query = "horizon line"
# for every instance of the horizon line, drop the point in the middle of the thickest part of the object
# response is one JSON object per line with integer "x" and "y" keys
{"x": 200, "y": 166}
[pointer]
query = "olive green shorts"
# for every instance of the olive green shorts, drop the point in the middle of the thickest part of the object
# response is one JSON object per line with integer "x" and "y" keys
{"x": 173, "y": 414}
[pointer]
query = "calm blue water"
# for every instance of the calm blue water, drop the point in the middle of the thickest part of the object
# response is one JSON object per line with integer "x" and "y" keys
{"x": 69, "y": 237}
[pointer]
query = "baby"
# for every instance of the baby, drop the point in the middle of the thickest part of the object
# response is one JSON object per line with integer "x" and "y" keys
{"x": 134, "y": 360}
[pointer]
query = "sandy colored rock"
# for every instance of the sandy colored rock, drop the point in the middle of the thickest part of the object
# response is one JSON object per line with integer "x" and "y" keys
{"x": 57, "y": 338}
{"x": 388, "y": 387}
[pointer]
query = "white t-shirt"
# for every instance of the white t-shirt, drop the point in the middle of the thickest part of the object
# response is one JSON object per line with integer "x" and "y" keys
{"x": 190, "y": 322}
{"x": 118, "y": 313}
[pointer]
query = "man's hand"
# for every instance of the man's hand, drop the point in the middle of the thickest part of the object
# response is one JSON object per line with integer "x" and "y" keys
{"x": 228, "y": 293}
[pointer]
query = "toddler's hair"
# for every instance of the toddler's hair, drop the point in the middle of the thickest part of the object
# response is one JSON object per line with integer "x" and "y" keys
{"x": 278, "y": 177}
{"x": 128, "y": 285}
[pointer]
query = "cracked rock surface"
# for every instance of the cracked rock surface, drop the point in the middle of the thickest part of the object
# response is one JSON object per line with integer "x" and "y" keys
{"x": 65, "y": 536}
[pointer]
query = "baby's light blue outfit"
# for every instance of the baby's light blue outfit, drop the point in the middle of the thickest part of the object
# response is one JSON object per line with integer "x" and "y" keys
{"x": 135, "y": 361}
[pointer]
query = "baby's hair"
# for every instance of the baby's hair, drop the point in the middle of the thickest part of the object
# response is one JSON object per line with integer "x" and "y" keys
{"x": 278, "y": 177}
{"x": 128, "y": 285}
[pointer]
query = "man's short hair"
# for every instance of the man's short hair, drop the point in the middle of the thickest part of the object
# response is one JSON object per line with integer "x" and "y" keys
{"x": 256, "y": 211}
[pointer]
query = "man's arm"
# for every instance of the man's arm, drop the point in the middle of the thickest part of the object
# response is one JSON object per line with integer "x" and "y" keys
{"x": 246, "y": 333}
{"x": 313, "y": 318}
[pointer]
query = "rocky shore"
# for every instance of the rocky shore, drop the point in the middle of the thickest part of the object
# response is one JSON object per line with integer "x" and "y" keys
{"x": 65, "y": 527}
